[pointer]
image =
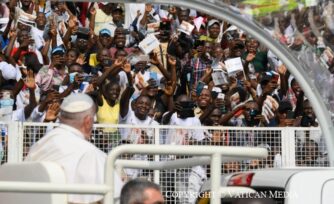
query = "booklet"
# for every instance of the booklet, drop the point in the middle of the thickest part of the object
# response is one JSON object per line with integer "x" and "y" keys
{"x": 233, "y": 66}
{"x": 149, "y": 44}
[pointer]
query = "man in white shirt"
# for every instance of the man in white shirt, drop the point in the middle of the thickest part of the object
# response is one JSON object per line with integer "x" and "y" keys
{"x": 68, "y": 145}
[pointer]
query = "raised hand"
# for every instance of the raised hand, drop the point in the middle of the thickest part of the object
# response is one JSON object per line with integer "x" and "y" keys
{"x": 250, "y": 57}
{"x": 81, "y": 59}
{"x": 13, "y": 33}
{"x": 282, "y": 69}
{"x": 154, "y": 59}
{"x": 169, "y": 88}
{"x": 127, "y": 67}
{"x": 138, "y": 13}
{"x": 30, "y": 80}
{"x": 171, "y": 60}
{"x": 52, "y": 112}
{"x": 118, "y": 62}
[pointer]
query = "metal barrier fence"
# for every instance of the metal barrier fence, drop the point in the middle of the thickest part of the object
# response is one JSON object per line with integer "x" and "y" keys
{"x": 287, "y": 147}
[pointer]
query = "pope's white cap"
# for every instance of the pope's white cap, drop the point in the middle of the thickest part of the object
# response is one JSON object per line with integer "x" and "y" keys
{"x": 76, "y": 103}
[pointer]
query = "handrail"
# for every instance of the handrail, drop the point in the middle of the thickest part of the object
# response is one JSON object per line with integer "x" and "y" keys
{"x": 216, "y": 153}
{"x": 41, "y": 187}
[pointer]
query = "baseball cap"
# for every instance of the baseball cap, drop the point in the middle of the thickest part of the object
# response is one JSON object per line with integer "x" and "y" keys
{"x": 105, "y": 32}
{"x": 213, "y": 21}
{"x": 76, "y": 103}
{"x": 58, "y": 50}
{"x": 117, "y": 8}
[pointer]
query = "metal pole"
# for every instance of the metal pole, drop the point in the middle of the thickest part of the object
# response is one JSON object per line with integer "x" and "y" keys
{"x": 215, "y": 178}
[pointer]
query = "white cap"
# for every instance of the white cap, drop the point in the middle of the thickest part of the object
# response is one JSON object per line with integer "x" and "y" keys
{"x": 213, "y": 21}
{"x": 76, "y": 103}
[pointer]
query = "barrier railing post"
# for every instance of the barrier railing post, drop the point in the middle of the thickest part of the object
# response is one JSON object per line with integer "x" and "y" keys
{"x": 15, "y": 142}
{"x": 156, "y": 157}
{"x": 288, "y": 147}
{"x": 215, "y": 178}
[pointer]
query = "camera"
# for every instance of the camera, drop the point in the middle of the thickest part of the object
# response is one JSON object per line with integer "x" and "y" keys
{"x": 87, "y": 78}
{"x": 186, "y": 109}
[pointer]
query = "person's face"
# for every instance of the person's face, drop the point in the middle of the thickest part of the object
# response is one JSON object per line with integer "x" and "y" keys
{"x": 117, "y": 16}
{"x": 40, "y": 20}
{"x": 82, "y": 44}
{"x": 140, "y": 66}
{"x": 120, "y": 41}
{"x": 252, "y": 46}
{"x": 296, "y": 88}
{"x": 215, "y": 116}
{"x": 23, "y": 35}
{"x": 204, "y": 99}
{"x": 272, "y": 84}
{"x": 308, "y": 110}
{"x": 75, "y": 68}
{"x": 152, "y": 91}
{"x": 214, "y": 30}
{"x": 217, "y": 53}
{"x": 22, "y": 27}
{"x": 71, "y": 57}
{"x": 113, "y": 92}
{"x": 311, "y": 152}
{"x": 106, "y": 41}
{"x": 26, "y": 2}
{"x": 183, "y": 15}
{"x": 142, "y": 107}
{"x": 103, "y": 56}
{"x": 153, "y": 196}
{"x": 121, "y": 55}
{"x": 58, "y": 59}
{"x": 250, "y": 108}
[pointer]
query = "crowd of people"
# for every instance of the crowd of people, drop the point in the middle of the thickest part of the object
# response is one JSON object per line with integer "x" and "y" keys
{"x": 145, "y": 64}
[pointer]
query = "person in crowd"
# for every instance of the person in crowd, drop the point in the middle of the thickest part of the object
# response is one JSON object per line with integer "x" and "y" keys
{"x": 141, "y": 191}
{"x": 68, "y": 146}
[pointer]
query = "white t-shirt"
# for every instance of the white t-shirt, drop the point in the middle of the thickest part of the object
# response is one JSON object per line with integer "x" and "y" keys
{"x": 83, "y": 163}
{"x": 181, "y": 136}
{"x": 135, "y": 133}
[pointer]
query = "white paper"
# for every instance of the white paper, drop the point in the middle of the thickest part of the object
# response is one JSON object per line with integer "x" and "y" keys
{"x": 309, "y": 3}
{"x": 234, "y": 65}
{"x": 219, "y": 78}
{"x": 149, "y": 44}
{"x": 186, "y": 27}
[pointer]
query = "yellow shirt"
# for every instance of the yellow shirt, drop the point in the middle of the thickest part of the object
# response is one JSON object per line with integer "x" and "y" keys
{"x": 93, "y": 60}
{"x": 108, "y": 115}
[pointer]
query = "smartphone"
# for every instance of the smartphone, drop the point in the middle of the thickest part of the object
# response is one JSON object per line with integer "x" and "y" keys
{"x": 199, "y": 88}
{"x": 87, "y": 78}
{"x": 107, "y": 62}
{"x": 290, "y": 115}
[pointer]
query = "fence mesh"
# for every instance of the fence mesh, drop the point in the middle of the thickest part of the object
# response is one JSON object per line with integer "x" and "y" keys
{"x": 4, "y": 143}
{"x": 182, "y": 185}
{"x": 311, "y": 149}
